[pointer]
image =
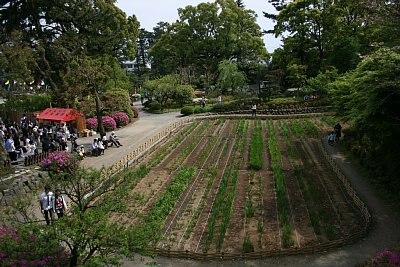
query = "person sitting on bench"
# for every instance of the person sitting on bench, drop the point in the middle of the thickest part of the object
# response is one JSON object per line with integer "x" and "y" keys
{"x": 95, "y": 148}
{"x": 114, "y": 140}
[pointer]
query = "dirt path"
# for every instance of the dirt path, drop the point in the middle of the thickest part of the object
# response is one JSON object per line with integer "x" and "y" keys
{"x": 384, "y": 233}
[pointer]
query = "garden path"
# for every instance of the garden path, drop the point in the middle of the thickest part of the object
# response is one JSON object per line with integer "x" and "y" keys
{"x": 130, "y": 136}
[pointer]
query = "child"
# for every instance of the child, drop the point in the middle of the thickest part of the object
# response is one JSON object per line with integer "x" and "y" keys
{"x": 59, "y": 204}
{"x": 331, "y": 138}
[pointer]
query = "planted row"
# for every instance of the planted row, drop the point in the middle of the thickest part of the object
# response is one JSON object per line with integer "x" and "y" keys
{"x": 256, "y": 160}
{"x": 149, "y": 231}
{"x": 276, "y": 166}
{"x": 165, "y": 150}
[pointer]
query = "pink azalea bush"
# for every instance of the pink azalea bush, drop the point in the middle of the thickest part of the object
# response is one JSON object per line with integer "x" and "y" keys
{"x": 109, "y": 123}
{"x": 91, "y": 123}
{"x": 60, "y": 161}
{"x": 387, "y": 257}
{"x": 120, "y": 118}
{"x": 28, "y": 249}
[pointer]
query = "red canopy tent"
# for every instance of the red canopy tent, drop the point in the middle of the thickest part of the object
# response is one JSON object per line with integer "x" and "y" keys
{"x": 59, "y": 114}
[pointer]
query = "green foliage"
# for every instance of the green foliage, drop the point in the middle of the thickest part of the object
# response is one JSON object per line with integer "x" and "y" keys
{"x": 58, "y": 43}
{"x": 370, "y": 97}
{"x": 148, "y": 232}
{"x": 277, "y": 168}
{"x": 16, "y": 58}
{"x": 27, "y": 103}
{"x": 30, "y": 245}
{"x": 154, "y": 106}
{"x": 230, "y": 78}
{"x": 112, "y": 101}
{"x": 187, "y": 111}
{"x": 203, "y": 36}
{"x": 117, "y": 100}
{"x": 247, "y": 245}
{"x": 256, "y": 160}
{"x": 319, "y": 85}
{"x": 168, "y": 88}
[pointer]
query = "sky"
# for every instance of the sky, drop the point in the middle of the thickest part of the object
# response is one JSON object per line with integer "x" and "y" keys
{"x": 150, "y": 12}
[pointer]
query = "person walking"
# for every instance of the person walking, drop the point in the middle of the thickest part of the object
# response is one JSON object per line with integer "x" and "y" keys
{"x": 253, "y": 110}
{"x": 59, "y": 205}
{"x": 46, "y": 204}
{"x": 219, "y": 100}
{"x": 338, "y": 131}
{"x": 331, "y": 138}
{"x": 10, "y": 148}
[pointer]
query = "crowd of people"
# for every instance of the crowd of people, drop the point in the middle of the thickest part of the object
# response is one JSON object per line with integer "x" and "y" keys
{"x": 24, "y": 138}
{"x": 28, "y": 138}
{"x": 100, "y": 144}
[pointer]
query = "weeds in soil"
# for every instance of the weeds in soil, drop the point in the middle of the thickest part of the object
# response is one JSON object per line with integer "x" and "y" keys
{"x": 329, "y": 120}
{"x": 276, "y": 165}
{"x": 247, "y": 245}
{"x": 256, "y": 160}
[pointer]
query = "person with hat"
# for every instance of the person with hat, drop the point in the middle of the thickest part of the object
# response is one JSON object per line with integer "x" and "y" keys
{"x": 114, "y": 140}
{"x": 81, "y": 151}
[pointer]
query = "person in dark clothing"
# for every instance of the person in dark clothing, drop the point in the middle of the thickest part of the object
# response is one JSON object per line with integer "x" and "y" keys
{"x": 338, "y": 131}
{"x": 59, "y": 204}
{"x": 46, "y": 144}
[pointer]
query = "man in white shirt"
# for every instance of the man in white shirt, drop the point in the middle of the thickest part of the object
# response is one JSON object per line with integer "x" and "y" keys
{"x": 46, "y": 204}
{"x": 95, "y": 148}
{"x": 9, "y": 146}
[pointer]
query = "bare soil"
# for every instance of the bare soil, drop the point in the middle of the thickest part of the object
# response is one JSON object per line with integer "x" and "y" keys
{"x": 210, "y": 146}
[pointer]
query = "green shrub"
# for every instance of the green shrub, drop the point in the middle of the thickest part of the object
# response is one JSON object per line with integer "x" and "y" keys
{"x": 154, "y": 106}
{"x": 187, "y": 110}
{"x": 198, "y": 110}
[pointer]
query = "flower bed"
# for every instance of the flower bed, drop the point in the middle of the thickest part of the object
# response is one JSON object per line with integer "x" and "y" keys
{"x": 60, "y": 161}
{"x": 121, "y": 119}
{"x": 91, "y": 123}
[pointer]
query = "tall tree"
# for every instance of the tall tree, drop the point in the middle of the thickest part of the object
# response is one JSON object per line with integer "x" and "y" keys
{"x": 319, "y": 33}
{"x": 370, "y": 97}
{"x": 206, "y": 34}
{"x": 57, "y": 32}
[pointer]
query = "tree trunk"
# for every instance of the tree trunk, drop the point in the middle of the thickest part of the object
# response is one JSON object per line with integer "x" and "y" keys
{"x": 99, "y": 113}
{"x": 73, "y": 260}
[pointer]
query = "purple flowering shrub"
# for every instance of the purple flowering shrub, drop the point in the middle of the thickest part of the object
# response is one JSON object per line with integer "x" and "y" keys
{"x": 387, "y": 257}
{"x": 60, "y": 161}
{"x": 91, "y": 123}
{"x": 120, "y": 118}
{"x": 109, "y": 123}
{"x": 29, "y": 248}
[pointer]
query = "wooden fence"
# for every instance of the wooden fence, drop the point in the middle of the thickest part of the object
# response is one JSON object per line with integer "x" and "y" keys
{"x": 135, "y": 155}
{"x": 37, "y": 158}
{"x": 205, "y": 256}
{"x": 141, "y": 150}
